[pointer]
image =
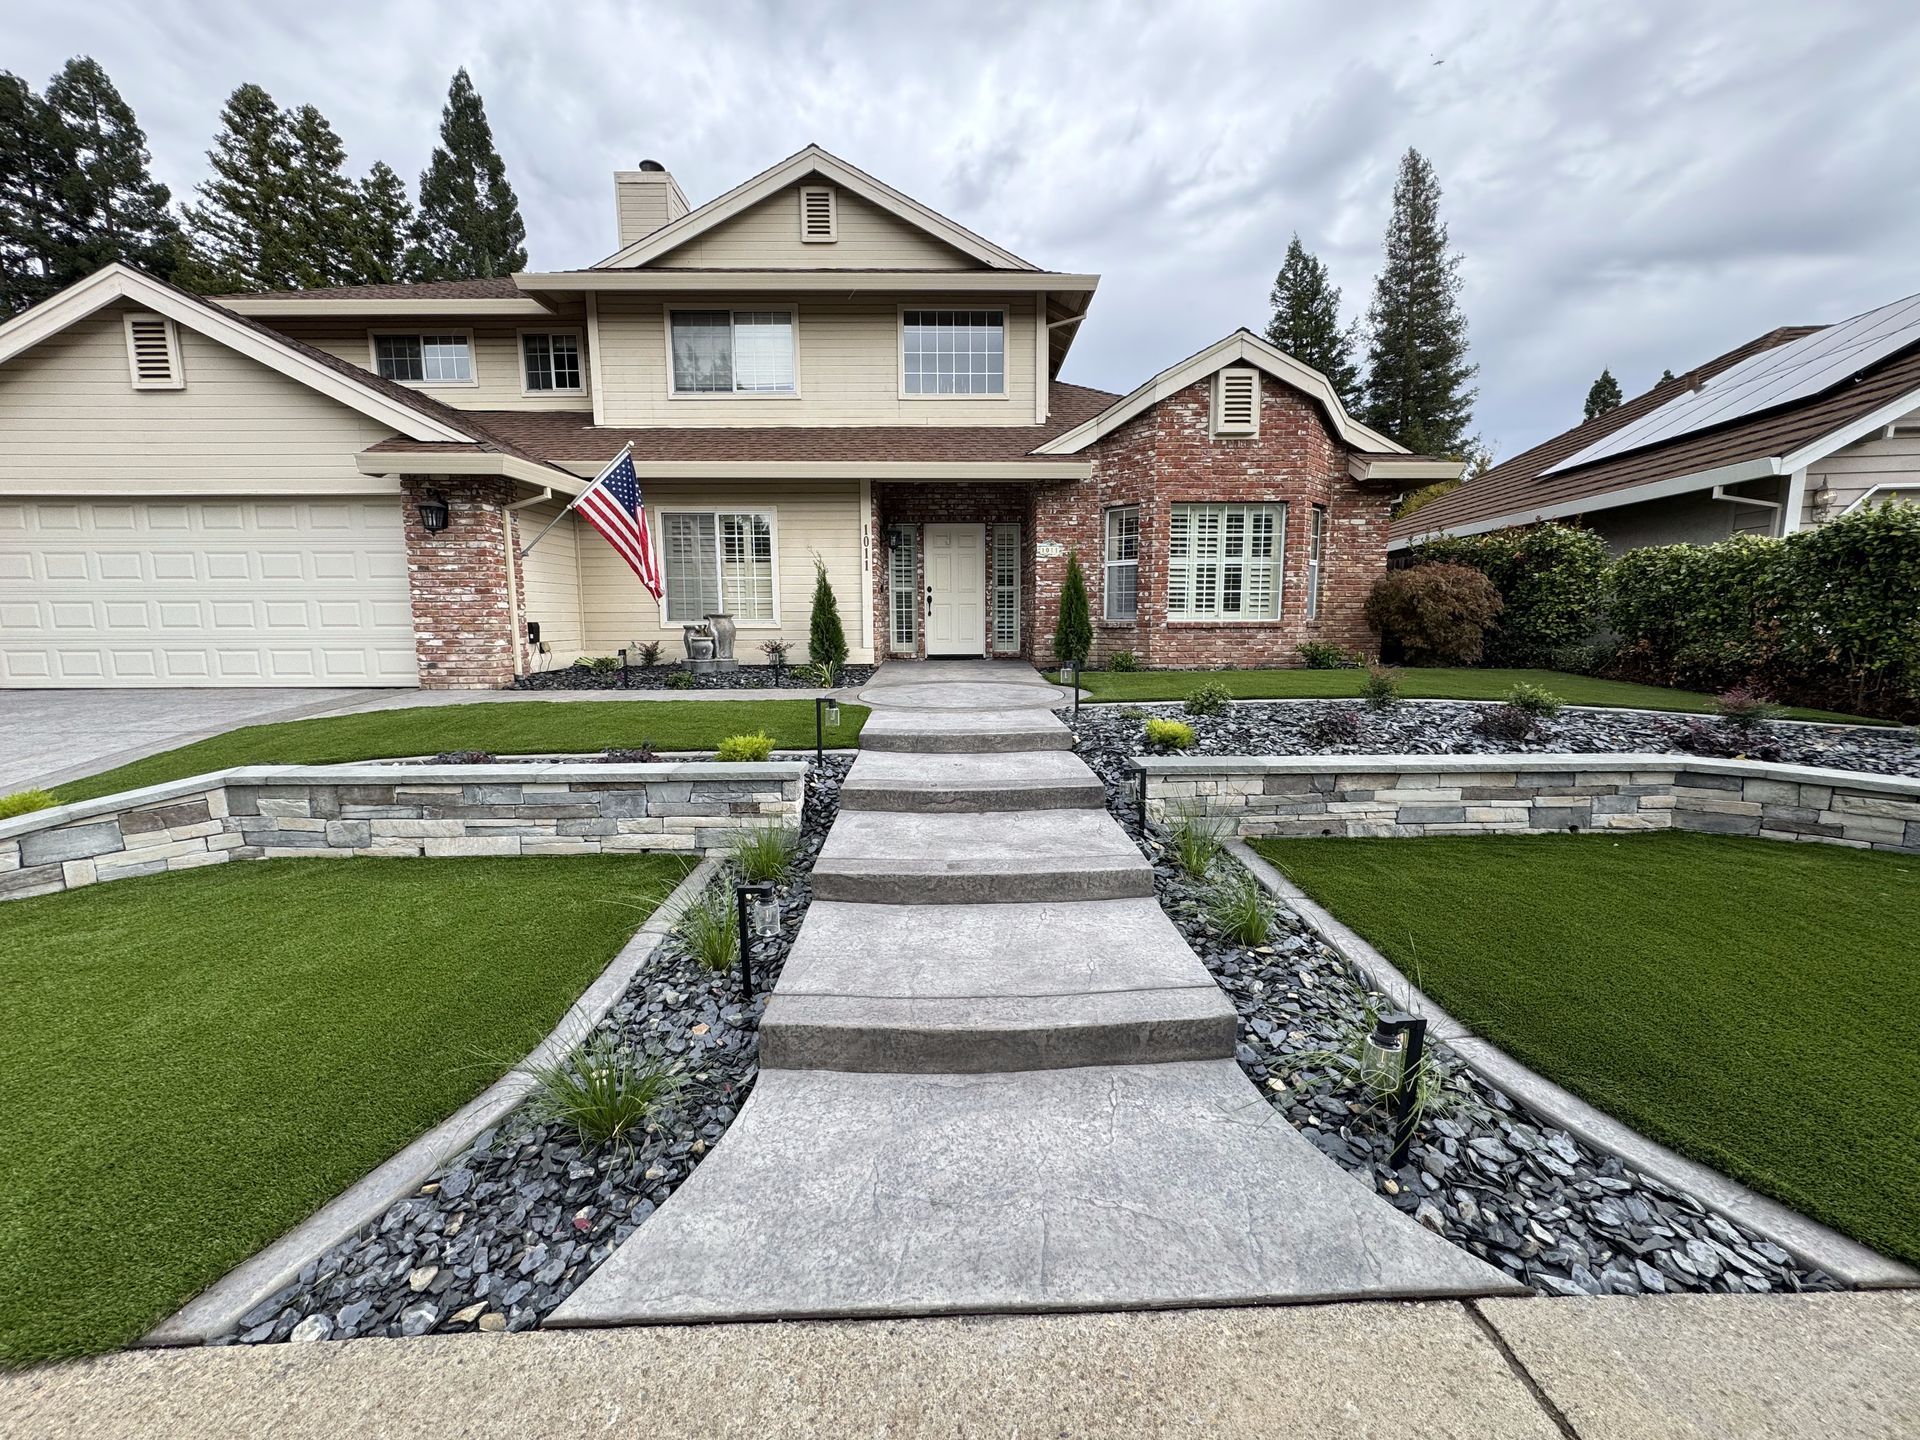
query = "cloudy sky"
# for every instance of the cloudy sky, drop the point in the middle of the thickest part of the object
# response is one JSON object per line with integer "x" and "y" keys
{"x": 1635, "y": 184}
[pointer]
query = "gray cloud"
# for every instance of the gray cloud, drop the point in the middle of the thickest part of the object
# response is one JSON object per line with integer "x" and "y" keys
{"x": 1636, "y": 184}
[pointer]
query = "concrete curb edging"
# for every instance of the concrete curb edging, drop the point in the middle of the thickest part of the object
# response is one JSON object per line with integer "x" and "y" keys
{"x": 218, "y": 1308}
{"x": 1808, "y": 1241}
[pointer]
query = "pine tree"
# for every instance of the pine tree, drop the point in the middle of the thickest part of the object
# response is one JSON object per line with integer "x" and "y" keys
{"x": 1604, "y": 395}
{"x": 826, "y": 639}
{"x": 469, "y": 222}
{"x": 241, "y": 229}
{"x": 321, "y": 205}
{"x": 108, "y": 206}
{"x": 1416, "y": 389}
{"x": 1306, "y": 321}
{"x": 29, "y": 184}
{"x": 1073, "y": 631}
{"x": 381, "y": 236}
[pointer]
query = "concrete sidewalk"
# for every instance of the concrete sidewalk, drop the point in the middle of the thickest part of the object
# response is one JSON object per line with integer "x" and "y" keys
{"x": 1841, "y": 1367}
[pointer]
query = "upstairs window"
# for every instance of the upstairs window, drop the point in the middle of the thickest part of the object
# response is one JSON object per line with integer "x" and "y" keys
{"x": 153, "y": 353}
{"x": 954, "y": 352}
{"x": 1224, "y": 562}
{"x": 424, "y": 359}
{"x": 1236, "y": 402}
{"x": 1120, "y": 585}
{"x": 733, "y": 352}
{"x": 550, "y": 362}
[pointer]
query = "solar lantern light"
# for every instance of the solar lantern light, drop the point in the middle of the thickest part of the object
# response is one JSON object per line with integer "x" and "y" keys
{"x": 759, "y": 913}
{"x": 826, "y": 716}
{"x": 1390, "y": 1066}
{"x": 1070, "y": 674}
{"x": 433, "y": 512}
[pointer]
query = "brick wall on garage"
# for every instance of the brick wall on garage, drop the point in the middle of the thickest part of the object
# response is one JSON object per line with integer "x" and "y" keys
{"x": 939, "y": 503}
{"x": 465, "y": 630}
{"x": 1167, "y": 455}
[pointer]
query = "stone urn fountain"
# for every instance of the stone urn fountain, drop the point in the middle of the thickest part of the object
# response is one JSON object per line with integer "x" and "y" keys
{"x": 721, "y": 626}
{"x": 699, "y": 642}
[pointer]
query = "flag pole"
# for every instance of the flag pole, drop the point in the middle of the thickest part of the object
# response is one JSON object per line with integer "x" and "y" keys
{"x": 624, "y": 449}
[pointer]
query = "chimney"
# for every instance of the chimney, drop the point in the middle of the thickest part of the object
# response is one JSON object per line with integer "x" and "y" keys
{"x": 645, "y": 199}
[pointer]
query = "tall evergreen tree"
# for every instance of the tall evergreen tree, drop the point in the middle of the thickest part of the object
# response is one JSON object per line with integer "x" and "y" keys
{"x": 1306, "y": 321}
{"x": 385, "y": 225}
{"x": 242, "y": 228}
{"x": 1416, "y": 389}
{"x": 29, "y": 186}
{"x": 470, "y": 221}
{"x": 109, "y": 207}
{"x": 322, "y": 206}
{"x": 1603, "y": 395}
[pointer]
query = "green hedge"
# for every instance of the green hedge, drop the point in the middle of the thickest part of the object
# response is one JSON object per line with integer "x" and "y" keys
{"x": 1551, "y": 578}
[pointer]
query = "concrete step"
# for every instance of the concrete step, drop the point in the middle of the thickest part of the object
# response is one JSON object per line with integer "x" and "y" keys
{"x": 969, "y": 988}
{"x": 964, "y": 732}
{"x": 1026, "y": 780}
{"x": 880, "y": 857}
{"x": 1104, "y": 1187}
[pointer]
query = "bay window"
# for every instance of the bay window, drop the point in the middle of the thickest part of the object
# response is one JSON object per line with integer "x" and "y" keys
{"x": 1120, "y": 582}
{"x": 718, "y": 561}
{"x": 1224, "y": 561}
{"x": 732, "y": 352}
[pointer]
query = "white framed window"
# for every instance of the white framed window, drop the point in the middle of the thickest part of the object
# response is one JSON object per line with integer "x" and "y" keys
{"x": 719, "y": 560}
{"x": 819, "y": 217}
{"x": 1316, "y": 559}
{"x": 1236, "y": 401}
{"x": 441, "y": 358}
{"x": 731, "y": 352}
{"x": 1224, "y": 562}
{"x": 153, "y": 353}
{"x": 550, "y": 363}
{"x": 1006, "y": 588}
{"x": 903, "y": 591}
{"x": 953, "y": 352}
{"x": 1120, "y": 584}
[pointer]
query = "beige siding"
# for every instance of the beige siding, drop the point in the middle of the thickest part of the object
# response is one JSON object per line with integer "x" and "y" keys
{"x": 496, "y": 355}
{"x": 767, "y": 237}
{"x": 847, "y": 365}
{"x": 1839, "y": 480}
{"x": 822, "y": 518}
{"x": 550, "y": 582}
{"x": 72, "y": 423}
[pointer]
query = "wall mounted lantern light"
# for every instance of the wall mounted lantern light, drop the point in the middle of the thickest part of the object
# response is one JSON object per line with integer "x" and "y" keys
{"x": 433, "y": 512}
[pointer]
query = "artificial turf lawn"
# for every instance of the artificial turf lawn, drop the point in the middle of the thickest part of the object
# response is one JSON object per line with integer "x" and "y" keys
{"x": 1752, "y": 1003}
{"x": 192, "y": 1063}
{"x": 521, "y": 727}
{"x": 1416, "y": 684}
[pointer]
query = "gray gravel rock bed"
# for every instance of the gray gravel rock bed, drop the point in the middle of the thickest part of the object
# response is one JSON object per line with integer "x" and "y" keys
{"x": 506, "y": 1232}
{"x": 660, "y": 677}
{"x": 1549, "y": 1210}
{"x": 1448, "y": 728}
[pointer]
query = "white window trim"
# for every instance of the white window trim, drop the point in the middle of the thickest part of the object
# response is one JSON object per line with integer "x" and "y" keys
{"x": 769, "y": 513}
{"x": 473, "y": 357}
{"x": 994, "y": 532}
{"x": 1279, "y": 616}
{"x": 520, "y": 354}
{"x": 1319, "y": 534}
{"x": 1107, "y": 563}
{"x": 833, "y": 215}
{"x": 792, "y": 312}
{"x": 176, "y": 372}
{"x": 1006, "y": 349}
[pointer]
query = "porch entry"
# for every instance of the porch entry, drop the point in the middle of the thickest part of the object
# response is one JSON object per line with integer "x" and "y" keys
{"x": 956, "y": 569}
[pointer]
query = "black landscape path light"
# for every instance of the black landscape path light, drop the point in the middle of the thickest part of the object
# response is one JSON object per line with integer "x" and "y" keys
{"x": 433, "y": 512}
{"x": 1390, "y": 1060}
{"x": 1070, "y": 673}
{"x": 759, "y": 920}
{"x": 826, "y": 716}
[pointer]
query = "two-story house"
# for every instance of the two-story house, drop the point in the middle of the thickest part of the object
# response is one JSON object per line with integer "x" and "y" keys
{"x": 358, "y": 486}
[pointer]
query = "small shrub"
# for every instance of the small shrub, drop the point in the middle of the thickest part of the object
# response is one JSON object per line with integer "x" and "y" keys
{"x": 1195, "y": 839}
{"x": 1132, "y": 712}
{"x": 1745, "y": 709}
{"x": 625, "y": 755}
{"x": 601, "y": 664}
{"x": 647, "y": 652}
{"x": 1438, "y": 614}
{"x": 680, "y": 680}
{"x": 1236, "y": 906}
{"x": 1319, "y": 655}
{"x": 763, "y": 852}
{"x": 463, "y": 757}
{"x": 1381, "y": 689}
{"x": 1169, "y": 734}
{"x": 25, "y": 802}
{"x": 820, "y": 676}
{"x": 776, "y": 651}
{"x": 709, "y": 931}
{"x": 826, "y": 637}
{"x": 1535, "y": 700}
{"x": 1123, "y": 662}
{"x": 1212, "y": 698}
{"x": 1506, "y": 724}
{"x": 601, "y": 1090}
{"x": 1328, "y": 728}
{"x": 757, "y": 746}
{"x": 1723, "y": 741}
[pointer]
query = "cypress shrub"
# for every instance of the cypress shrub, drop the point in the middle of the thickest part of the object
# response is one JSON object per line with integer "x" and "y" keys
{"x": 1073, "y": 632}
{"x": 826, "y": 639}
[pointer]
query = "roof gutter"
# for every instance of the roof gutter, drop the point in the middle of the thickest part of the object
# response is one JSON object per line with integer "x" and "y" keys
{"x": 466, "y": 462}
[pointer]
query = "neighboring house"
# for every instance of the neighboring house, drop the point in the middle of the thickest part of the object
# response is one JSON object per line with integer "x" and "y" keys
{"x": 1790, "y": 430}
{"x": 811, "y": 368}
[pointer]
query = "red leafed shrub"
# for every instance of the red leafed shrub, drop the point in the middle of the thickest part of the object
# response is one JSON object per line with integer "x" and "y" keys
{"x": 1438, "y": 614}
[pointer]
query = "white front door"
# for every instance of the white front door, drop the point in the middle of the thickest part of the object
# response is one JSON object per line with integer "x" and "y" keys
{"x": 956, "y": 589}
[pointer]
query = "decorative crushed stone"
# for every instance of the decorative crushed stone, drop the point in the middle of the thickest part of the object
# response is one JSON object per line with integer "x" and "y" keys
{"x": 507, "y": 1230}
{"x": 1436, "y": 727}
{"x": 1549, "y": 1210}
{"x": 661, "y": 677}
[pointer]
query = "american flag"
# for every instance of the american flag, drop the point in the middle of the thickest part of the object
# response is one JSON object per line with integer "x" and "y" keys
{"x": 612, "y": 505}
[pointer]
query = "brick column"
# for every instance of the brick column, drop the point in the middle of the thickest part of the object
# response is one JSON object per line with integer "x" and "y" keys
{"x": 463, "y": 581}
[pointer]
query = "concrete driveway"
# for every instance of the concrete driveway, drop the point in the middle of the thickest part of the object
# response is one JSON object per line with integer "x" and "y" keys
{"x": 47, "y": 736}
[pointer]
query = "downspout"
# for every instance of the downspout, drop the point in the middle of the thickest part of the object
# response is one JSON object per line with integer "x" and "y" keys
{"x": 1791, "y": 517}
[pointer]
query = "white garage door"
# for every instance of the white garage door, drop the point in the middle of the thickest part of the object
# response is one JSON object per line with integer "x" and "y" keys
{"x": 204, "y": 592}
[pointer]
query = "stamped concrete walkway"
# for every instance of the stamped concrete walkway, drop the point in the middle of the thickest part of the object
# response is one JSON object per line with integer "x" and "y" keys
{"x": 995, "y": 1078}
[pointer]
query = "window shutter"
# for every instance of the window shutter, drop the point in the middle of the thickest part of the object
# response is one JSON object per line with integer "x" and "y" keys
{"x": 153, "y": 353}
{"x": 1236, "y": 402}
{"x": 818, "y": 215}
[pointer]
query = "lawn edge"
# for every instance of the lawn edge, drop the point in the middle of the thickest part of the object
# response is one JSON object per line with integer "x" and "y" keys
{"x": 216, "y": 1310}
{"x": 1819, "y": 1246}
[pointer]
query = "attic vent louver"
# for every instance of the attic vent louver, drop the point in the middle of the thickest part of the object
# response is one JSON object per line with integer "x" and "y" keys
{"x": 153, "y": 353}
{"x": 818, "y": 215}
{"x": 1236, "y": 402}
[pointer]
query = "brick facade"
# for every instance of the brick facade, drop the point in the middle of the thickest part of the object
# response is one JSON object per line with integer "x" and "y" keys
{"x": 465, "y": 582}
{"x": 959, "y": 504}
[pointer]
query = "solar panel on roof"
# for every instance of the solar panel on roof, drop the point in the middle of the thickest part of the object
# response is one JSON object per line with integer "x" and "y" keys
{"x": 1779, "y": 376}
